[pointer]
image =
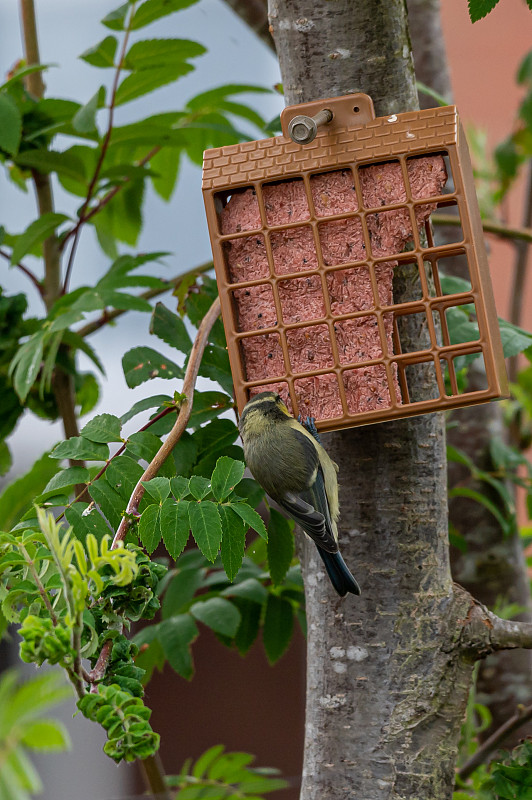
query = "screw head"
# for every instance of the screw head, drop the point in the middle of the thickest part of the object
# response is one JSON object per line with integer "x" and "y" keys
{"x": 302, "y": 129}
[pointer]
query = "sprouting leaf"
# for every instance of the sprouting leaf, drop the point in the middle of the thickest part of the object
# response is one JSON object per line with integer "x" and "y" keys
{"x": 170, "y": 328}
{"x": 278, "y": 626}
{"x": 175, "y": 525}
{"x": 280, "y": 546}
{"x": 206, "y": 527}
{"x": 218, "y": 614}
{"x": 115, "y": 20}
{"x": 10, "y": 125}
{"x": 103, "y": 428}
{"x": 142, "y": 363}
{"x": 150, "y": 527}
{"x": 158, "y": 488}
{"x": 103, "y": 53}
{"x": 35, "y": 233}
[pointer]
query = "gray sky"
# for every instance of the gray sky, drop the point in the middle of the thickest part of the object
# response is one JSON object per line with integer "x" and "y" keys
{"x": 66, "y": 29}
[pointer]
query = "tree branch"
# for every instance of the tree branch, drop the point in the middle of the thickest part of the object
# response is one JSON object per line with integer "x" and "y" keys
{"x": 180, "y": 425}
{"x": 33, "y": 278}
{"x": 173, "y": 283}
{"x": 521, "y": 717}
{"x": 483, "y": 632}
{"x": 497, "y": 228}
{"x": 76, "y": 231}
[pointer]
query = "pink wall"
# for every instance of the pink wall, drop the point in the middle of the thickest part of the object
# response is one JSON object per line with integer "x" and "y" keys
{"x": 484, "y": 59}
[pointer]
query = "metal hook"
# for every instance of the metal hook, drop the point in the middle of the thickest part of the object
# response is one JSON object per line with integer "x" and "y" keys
{"x": 303, "y": 129}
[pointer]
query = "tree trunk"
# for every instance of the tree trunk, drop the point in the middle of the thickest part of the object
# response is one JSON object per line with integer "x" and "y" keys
{"x": 387, "y": 678}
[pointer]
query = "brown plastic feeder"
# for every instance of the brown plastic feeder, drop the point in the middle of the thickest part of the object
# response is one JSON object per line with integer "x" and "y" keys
{"x": 306, "y": 238}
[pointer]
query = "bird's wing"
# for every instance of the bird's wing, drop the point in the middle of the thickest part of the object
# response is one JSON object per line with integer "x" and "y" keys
{"x": 310, "y": 508}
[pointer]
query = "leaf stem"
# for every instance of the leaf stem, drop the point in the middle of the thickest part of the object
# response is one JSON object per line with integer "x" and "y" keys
{"x": 497, "y": 228}
{"x": 40, "y": 585}
{"x": 153, "y": 770}
{"x": 183, "y": 416}
{"x": 33, "y": 278}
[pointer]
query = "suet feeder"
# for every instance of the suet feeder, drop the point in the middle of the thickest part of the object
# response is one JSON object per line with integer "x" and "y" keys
{"x": 307, "y": 230}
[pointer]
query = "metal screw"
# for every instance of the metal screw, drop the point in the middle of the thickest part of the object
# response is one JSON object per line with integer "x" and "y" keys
{"x": 303, "y": 129}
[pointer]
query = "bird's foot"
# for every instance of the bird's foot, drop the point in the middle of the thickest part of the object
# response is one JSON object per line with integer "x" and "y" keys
{"x": 310, "y": 425}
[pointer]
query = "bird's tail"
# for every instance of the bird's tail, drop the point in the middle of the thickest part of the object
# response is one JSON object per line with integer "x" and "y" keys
{"x": 338, "y": 572}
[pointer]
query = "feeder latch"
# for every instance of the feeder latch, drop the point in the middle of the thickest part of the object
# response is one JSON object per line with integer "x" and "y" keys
{"x": 300, "y": 123}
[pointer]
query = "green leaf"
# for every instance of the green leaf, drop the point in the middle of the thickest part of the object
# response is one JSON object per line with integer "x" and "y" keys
{"x": 158, "y": 488}
{"x": 79, "y": 449}
{"x": 140, "y": 83}
{"x": 233, "y": 541}
{"x": 175, "y": 525}
{"x": 109, "y": 501}
{"x": 251, "y": 518}
{"x": 84, "y": 121}
{"x": 176, "y": 635}
{"x": 103, "y": 428}
{"x": 524, "y": 73}
{"x": 180, "y": 591}
{"x": 278, "y": 626}
{"x": 123, "y": 474}
{"x": 207, "y": 758}
{"x": 64, "y": 479}
{"x": 185, "y": 454}
{"x": 10, "y": 125}
{"x": 37, "y": 232}
{"x": 280, "y": 546}
{"x": 215, "y": 365}
{"x": 199, "y": 487}
{"x": 150, "y": 527}
{"x": 166, "y": 164}
{"x": 218, "y": 614}
{"x": 227, "y": 474}
{"x": 115, "y": 20}
{"x": 5, "y": 465}
{"x": 206, "y": 527}
{"x": 151, "y": 10}
{"x": 45, "y": 734}
{"x": 27, "y": 364}
{"x": 208, "y": 406}
{"x": 67, "y": 164}
{"x": 142, "y": 363}
{"x": 514, "y": 340}
{"x": 85, "y": 520}
{"x": 212, "y": 97}
{"x": 143, "y": 445}
{"x": 103, "y": 53}
{"x": 250, "y": 589}
{"x": 179, "y": 486}
{"x": 156, "y": 401}
{"x": 161, "y": 53}
{"x": 248, "y": 629}
{"x": 18, "y": 497}
{"x": 480, "y": 8}
{"x": 170, "y": 328}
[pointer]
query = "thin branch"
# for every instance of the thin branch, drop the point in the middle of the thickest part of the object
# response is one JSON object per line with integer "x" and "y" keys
{"x": 180, "y": 425}
{"x": 173, "y": 283}
{"x": 482, "y": 632}
{"x": 508, "y": 635}
{"x": 98, "y": 672}
{"x": 521, "y": 716}
{"x": 40, "y": 586}
{"x": 76, "y": 231}
{"x": 34, "y": 81}
{"x": 33, "y": 278}
{"x": 119, "y": 452}
{"x": 497, "y": 228}
{"x": 153, "y": 771}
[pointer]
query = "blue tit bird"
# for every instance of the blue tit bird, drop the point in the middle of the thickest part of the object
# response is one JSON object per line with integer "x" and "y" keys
{"x": 294, "y": 470}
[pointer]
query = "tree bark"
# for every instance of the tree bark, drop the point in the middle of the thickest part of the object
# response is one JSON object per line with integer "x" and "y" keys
{"x": 387, "y": 676}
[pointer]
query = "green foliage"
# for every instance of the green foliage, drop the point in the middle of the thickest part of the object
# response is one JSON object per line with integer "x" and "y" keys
{"x": 218, "y": 775}
{"x": 23, "y": 728}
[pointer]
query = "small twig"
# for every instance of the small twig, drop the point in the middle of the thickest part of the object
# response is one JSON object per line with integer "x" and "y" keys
{"x": 521, "y": 716}
{"x": 119, "y": 452}
{"x": 97, "y": 673}
{"x": 173, "y": 283}
{"x": 180, "y": 425}
{"x": 503, "y": 231}
{"x": 33, "y": 278}
{"x": 76, "y": 231}
{"x": 40, "y": 585}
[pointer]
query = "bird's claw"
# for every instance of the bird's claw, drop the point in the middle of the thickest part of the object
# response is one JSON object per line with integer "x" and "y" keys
{"x": 310, "y": 424}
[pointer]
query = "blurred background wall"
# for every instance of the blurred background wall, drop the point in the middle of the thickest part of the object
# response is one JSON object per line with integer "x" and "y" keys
{"x": 242, "y": 703}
